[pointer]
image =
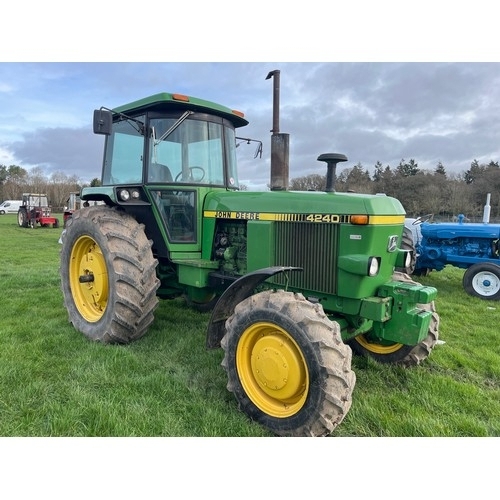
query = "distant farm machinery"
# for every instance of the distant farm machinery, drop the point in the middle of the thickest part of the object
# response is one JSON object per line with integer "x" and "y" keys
{"x": 474, "y": 247}
{"x": 35, "y": 210}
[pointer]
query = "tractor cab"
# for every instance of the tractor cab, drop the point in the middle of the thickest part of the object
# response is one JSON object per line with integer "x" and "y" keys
{"x": 168, "y": 150}
{"x": 186, "y": 150}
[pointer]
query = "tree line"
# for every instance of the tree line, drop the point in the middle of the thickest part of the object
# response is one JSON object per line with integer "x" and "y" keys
{"x": 421, "y": 191}
{"x": 16, "y": 180}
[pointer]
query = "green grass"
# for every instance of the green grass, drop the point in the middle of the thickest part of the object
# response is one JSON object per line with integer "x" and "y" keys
{"x": 55, "y": 382}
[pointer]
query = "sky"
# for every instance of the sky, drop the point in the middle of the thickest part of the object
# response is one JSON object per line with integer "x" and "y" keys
{"x": 370, "y": 111}
{"x": 418, "y": 87}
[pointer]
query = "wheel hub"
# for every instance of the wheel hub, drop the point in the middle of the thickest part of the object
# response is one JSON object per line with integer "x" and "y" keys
{"x": 272, "y": 369}
{"x": 486, "y": 284}
{"x": 89, "y": 279}
{"x": 271, "y": 361}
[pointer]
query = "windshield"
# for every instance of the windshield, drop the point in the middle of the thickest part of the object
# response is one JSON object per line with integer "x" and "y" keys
{"x": 195, "y": 152}
{"x": 180, "y": 150}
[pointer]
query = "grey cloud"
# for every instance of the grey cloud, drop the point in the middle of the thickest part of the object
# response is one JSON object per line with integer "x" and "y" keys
{"x": 370, "y": 112}
{"x": 71, "y": 151}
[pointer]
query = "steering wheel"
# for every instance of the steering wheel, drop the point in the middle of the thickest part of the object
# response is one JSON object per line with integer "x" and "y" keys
{"x": 192, "y": 178}
{"x": 421, "y": 219}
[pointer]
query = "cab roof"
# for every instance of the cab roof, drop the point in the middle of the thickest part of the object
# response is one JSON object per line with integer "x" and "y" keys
{"x": 167, "y": 101}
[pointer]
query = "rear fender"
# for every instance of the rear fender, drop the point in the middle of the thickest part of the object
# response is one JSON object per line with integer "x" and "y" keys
{"x": 233, "y": 295}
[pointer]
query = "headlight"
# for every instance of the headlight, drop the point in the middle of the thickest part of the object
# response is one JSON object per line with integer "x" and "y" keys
{"x": 408, "y": 260}
{"x": 124, "y": 195}
{"x": 403, "y": 258}
{"x": 373, "y": 266}
{"x": 359, "y": 264}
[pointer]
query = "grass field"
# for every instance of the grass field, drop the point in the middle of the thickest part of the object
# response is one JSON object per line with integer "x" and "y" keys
{"x": 55, "y": 382}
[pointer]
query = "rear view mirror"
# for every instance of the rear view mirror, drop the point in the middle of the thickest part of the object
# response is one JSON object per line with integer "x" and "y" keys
{"x": 103, "y": 120}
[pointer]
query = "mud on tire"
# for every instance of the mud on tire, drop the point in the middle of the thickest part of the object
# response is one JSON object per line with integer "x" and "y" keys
{"x": 108, "y": 275}
{"x": 287, "y": 365}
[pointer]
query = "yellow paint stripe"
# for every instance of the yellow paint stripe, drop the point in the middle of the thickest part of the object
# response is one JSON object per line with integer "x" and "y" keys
{"x": 386, "y": 219}
{"x": 291, "y": 217}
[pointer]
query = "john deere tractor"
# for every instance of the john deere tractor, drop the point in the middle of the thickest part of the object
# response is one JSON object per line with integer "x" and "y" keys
{"x": 293, "y": 280}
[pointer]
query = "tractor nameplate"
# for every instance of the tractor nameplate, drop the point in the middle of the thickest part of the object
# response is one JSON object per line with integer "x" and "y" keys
{"x": 298, "y": 217}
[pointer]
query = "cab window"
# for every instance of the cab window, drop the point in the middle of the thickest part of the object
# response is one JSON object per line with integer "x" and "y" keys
{"x": 194, "y": 153}
{"x": 178, "y": 211}
{"x": 124, "y": 154}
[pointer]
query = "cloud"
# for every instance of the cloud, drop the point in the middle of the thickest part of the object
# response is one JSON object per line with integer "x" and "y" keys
{"x": 370, "y": 112}
{"x": 67, "y": 150}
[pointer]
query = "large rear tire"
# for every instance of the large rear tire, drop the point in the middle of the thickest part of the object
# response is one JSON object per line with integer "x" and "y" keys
{"x": 108, "y": 275}
{"x": 287, "y": 365}
{"x": 394, "y": 352}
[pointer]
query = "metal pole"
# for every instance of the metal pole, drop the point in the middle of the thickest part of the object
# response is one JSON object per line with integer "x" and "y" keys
{"x": 276, "y": 99}
{"x": 280, "y": 143}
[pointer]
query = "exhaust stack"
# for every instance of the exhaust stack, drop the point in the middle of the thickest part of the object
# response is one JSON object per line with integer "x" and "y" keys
{"x": 280, "y": 143}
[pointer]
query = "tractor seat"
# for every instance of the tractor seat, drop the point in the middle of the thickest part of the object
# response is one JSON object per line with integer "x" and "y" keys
{"x": 159, "y": 173}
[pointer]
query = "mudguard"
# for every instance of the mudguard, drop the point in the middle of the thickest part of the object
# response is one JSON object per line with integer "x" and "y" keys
{"x": 234, "y": 294}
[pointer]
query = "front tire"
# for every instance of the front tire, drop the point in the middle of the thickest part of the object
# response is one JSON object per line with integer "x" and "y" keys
{"x": 483, "y": 281}
{"x": 407, "y": 243}
{"x": 287, "y": 365}
{"x": 394, "y": 352}
{"x": 108, "y": 275}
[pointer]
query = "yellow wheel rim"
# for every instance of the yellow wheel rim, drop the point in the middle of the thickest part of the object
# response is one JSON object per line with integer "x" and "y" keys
{"x": 377, "y": 348}
{"x": 88, "y": 278}
{"x": 272, "y": 370}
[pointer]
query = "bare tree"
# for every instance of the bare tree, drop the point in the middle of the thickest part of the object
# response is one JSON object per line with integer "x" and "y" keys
{"x": 60, "y": 187}
{"x": 312, "y": 182}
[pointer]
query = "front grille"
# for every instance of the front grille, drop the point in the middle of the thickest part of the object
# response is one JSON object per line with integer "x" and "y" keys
{"x": 312, "y": 247}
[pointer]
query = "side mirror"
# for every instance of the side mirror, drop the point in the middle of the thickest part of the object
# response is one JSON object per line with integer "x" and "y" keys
{"x": 103, "y": 119}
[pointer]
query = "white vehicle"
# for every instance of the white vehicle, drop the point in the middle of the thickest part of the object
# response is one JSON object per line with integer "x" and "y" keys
{"x": 10, "y": 207}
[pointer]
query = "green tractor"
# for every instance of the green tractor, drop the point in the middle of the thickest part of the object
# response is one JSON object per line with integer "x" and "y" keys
{"x": 295, "y": 281}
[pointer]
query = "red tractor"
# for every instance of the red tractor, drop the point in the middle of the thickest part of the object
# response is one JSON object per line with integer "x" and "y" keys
{"x": 35, "y": 210}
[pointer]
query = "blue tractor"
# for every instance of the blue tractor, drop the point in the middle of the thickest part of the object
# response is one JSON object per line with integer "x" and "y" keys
{"x": 471, "y": 246}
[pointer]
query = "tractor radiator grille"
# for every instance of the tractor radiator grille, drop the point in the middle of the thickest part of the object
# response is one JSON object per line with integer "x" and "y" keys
{"x": 312, "y": 247}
